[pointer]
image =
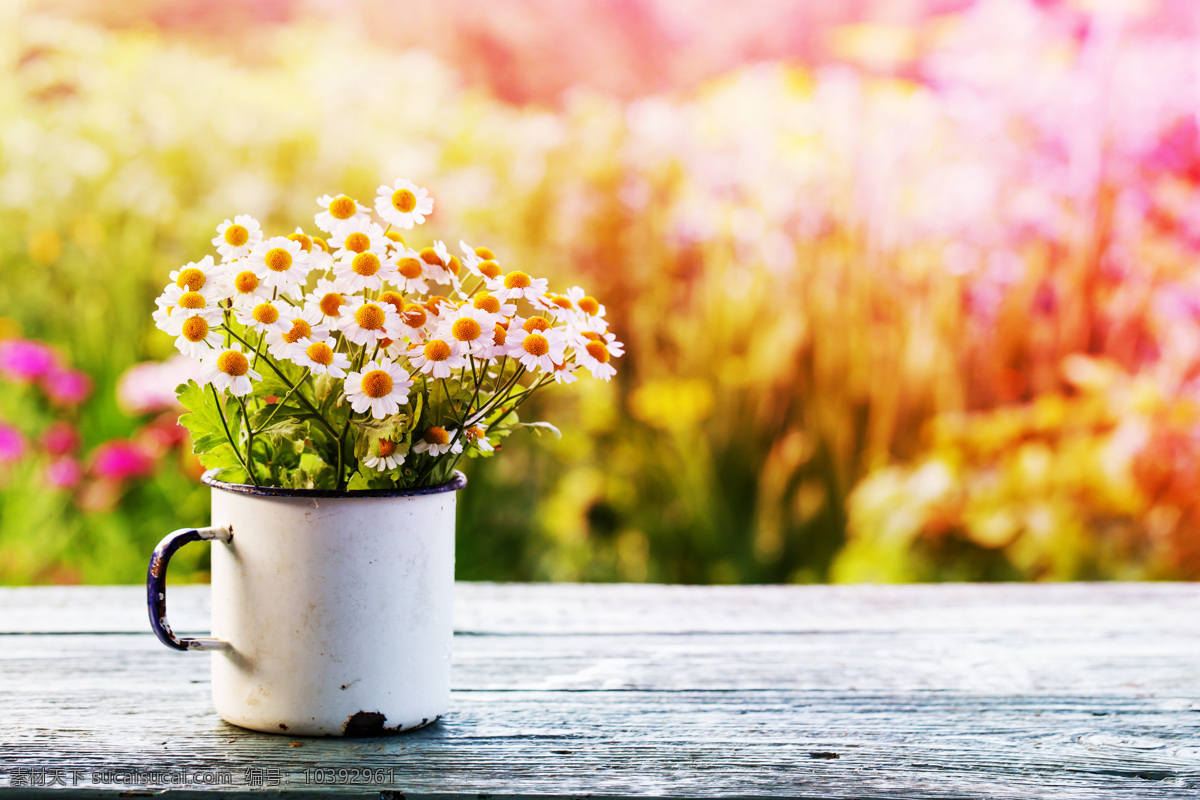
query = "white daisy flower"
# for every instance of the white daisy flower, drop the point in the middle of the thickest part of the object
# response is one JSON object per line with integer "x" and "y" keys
{"x": 517, "y": 284}
{"x": 403, "y": 204}
{"x": 339, "y": 211}
{"x": 579, "y": 339}
{"x": 306, "y": 322}
{"x": 565, "y": 373}
{"x": 203, "y": 276}
{"x": 413, "y": 323}
{"x": 387, "y": 457}
{"x": 195, "y": 336}
{"x": 246, "y": 287}
{"x": 589, "y": 307}
{"x": 491, "y": 304}
{"x": 468, "y": 329}
{"x": 176, "y": 301}
{"x": 440, "y": 266}
{"x": 280, "y": 263}
{"x": 316, "y": 249}
{"x": 228, "y": 368}
{"x": 558, "y": 306}
{"x": 437, "y": 441}
{"x": 478, "y": 436}
{"x": 479, "y": 261}
{"x": 263, "y": 316}
{"x": 436, "y": 357}
{"x": 540, "y": 350}
{"x": 365, "y": 270}
{"x": 382, "y": 386}
{"x": 352, "y": 239}
{"x": 410, "y": 271}
{"x": 235, "y": 239}
{"x": 594, "y": 357}
{"x": 329, "y": 297}
{"x": 320, "y": 357}
{"x": 367, "y": 322}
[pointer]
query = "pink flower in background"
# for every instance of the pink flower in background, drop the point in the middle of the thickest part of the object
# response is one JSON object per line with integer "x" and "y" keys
{"x": 118, "y": 460}
{"x": 23, "y": 360}
{"x": 68, "y": 387}
{"x": 12, "y": 444}
{"x": 150, "y": 387}
{"x": 60, "y": 439}
{"x": 64, "y": 473}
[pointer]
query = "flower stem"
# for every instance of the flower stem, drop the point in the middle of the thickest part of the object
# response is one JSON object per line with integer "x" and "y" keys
{"x": 228, "y": 435}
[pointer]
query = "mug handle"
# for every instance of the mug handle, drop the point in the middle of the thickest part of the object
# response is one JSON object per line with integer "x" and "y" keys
{"x": 156, "y": 586}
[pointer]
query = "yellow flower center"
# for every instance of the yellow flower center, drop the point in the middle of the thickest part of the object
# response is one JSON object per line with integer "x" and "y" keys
{"x": 394, "y": 299}
{"x": 377, "y": 383}
{"x": 300, "y": 330}
{"x": 278, "y": 260}
{"x": 370, "y": 317}
{"x": 365, "y": 264}
{"x": 321, "y": 243}
{"x": 410, "y": 268}
{"x": 195, "y": 329}
{"x": 358, "y": 242}
{"x": 386, "y": 447}
{"x": 331, "y": 304}
{"x": 192, "y": 300}
{"x": 536, "y": 345}
{"x": 436, "y": 435}
{"x": 231, "y": 362}
{"x": 485, "y": 302}
{"x": 598, "y": 351}
{"x": 430, "y": 256}
{"x": 517, "y": 280}
{"x": 414, "y": 315}
{"x": 474, "y": 433}
{"x": 265, "y": 313}
{"x": 466, "y": 329}
{"x": 455, "y": 265}
{"x": 395, "y": 237}
{"x": 535, "y": 325}
{"x": 342, "y": 207}
{"x": 403, "y": 200}
{"x": 305, "y": 241}
{"x": 321, "y": 353}
{"x": 437, "y": 350}
{"x": 485, "y": 253}
{"x": 588, "y": 305}
{"x": 595, "y": 337}
{"x": 236, "y": 235}
{"x": 191, "y": 278}
{"x": 246, "y": 282}
{"x": 499, "y": 335}
{"x": 561, "y": 302}
{"x": 490, "y": 269}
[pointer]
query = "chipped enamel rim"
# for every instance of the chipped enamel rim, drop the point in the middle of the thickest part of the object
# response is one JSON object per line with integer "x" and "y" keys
{"x": 210, "y": 478}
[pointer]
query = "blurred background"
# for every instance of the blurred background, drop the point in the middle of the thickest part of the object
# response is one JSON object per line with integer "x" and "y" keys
{"x": 909, "y": 288}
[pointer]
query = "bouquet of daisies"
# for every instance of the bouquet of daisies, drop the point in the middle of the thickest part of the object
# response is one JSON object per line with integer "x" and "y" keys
{"x": 360, "y": 360}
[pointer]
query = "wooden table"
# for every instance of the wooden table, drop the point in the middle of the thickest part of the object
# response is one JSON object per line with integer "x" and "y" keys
{"x": 1013, "y": 691}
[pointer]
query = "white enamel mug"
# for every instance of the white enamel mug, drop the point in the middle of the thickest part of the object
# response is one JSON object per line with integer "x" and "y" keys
{"x": 331, "y": 611}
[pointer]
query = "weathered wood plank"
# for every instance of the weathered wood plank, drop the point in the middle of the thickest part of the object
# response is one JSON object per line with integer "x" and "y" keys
{"x": 631, "y": 608}
{"x": 1007, "y": 692}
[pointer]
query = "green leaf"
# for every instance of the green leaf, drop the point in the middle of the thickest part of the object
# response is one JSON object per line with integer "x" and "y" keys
{"x": 538, "y": 427}
{"x": 210, "y": 441}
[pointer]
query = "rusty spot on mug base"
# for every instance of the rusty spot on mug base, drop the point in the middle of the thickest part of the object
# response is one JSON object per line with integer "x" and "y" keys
{"x": 283, "y": 727}
{"x": 372, "y": 723}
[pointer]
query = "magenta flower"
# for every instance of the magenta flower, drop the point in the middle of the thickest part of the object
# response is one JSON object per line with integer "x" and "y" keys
{"x": 64, "y": 473}
{"x": 12, "y": 444}
{"x": 23, "y": 360}
{"x": 118, "y": 460}
{"x": 60, "y": 439}
{"x": 68, "y": 387}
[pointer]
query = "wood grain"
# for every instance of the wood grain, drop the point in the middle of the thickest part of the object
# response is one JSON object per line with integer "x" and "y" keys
{"x": 1006, "y": 691}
